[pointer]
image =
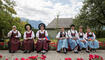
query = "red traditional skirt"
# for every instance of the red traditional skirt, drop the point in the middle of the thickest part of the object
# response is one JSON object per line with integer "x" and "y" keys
{"x": 28, "y": 44}
{"x": 42, "y": 44}
{"x": 14, "y": 44}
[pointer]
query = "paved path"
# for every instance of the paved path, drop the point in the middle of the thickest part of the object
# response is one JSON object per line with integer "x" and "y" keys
{"x": 53, "y": 55}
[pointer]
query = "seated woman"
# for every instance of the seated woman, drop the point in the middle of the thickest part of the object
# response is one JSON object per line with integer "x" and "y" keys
{"x": 82, "y": 42}
{"x": 73, "y": 38}
{"x": 62, "y": 43}
{"x": 43, "y": 42}
{"x": 28, "y": 39}
{"x": 91, "y": 38}
{"x": 14, "y": 42}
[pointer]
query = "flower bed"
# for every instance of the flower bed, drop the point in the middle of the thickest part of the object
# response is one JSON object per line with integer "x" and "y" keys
{"x": 91, "y": 57}
{"x": 102, "y": 44}
{"x": 43, "y": 57}
{"x": 52, "y": 45}
{"x": 3, "y": 46}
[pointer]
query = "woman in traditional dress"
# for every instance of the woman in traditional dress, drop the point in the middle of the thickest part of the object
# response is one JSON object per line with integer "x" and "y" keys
{"x": 73, "y": 38}
{"x": 62, "y": 41}
{"x": 42, "y": 42}
{"x": 28, "y": 39}
{"x": 82, "y": 42}
{"x": 14, "y": 42}
{"x": 91, "y": 38}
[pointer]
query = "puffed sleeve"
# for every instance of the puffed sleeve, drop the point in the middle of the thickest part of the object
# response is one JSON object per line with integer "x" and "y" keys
{"x": 46, "y": 33}
{"x": 24, "y": 35}
{"x": 32, "y": 36}
{"x": 66, "y": 35}
{"x": 19, "y": 34}
{"x": 85, "y": 36}
{"x": 77, "y": 35}
{"x": 94, "y": 36}
{"x": 58, "y": 35}
{"x": 9, "y": 34}
{"x": 69, "y": 34}
{"x": 37, "y": 34}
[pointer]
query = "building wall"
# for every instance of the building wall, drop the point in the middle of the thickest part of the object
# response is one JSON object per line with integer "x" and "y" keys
{"x": 53, "y": 33}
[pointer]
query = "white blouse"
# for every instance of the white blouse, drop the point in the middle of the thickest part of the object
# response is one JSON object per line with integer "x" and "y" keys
{"x": 81, "y": 34}
{"x": 58, "y": 35}
{"x": 37, "y": 34}
{"x": 94, "y": 36}
{"x": 10, "y": 33}
{"x": 73, "y": 31}
{"x": 32, "y": 35}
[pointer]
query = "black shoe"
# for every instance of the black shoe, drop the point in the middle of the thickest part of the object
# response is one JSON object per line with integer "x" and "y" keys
{"x": 79, "y": 49}
{"x": 58, "y": 51}
{"x": 75, "y": 51}
{"x": 94, "y": 50}
{"x": 9, "y": 51}
{"x": 43, "y": 51}
{"x": 65, "y": 50}
{"x": 38, "y": 51}
{"x": 88, "y": 51}
{"x": 25, "y": 51}
{"x": 29, "y": 51}
{"x": 12, "y": 51}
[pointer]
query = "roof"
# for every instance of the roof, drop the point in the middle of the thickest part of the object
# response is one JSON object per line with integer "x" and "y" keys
{"x": 62, "y": 22}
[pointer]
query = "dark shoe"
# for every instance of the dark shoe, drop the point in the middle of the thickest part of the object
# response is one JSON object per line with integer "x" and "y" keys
{"x": 12, "y": 51}
{"x": 43, "y": 52}
{"x": 25, "y": 51}
{"x": 29, "y": 51}
{"x": 65, "y": 50}
{"x": 95, "y": 50}
{"x": 38, "y": 51}
{"x": 58, "y": 51}
{"x": 88, "y": 51}
{"x": 75, "y": 51}
{"x": 9, "y": 51}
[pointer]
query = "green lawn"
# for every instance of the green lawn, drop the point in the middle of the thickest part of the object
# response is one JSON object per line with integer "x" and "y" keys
{"x": 101, "y": 39}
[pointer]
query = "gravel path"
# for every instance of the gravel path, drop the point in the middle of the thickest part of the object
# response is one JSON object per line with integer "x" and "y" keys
{"x": 53, "y": 55}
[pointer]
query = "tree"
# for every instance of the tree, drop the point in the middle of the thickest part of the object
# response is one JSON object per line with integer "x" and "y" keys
{"x": 7, "y": 19}
{"x": 92, "y": 14}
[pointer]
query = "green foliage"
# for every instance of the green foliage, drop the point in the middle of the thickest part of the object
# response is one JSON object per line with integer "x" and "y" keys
{"x": 92, "y": 14}
{"x": 7, "y": 19}
{"x": 101, "y": 39}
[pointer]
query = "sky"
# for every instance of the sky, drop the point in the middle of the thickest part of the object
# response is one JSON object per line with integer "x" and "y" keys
{"x": 46, "y": 10}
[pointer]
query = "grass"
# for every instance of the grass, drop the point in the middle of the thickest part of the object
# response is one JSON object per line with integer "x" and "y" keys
{"x": 101, "y": 39}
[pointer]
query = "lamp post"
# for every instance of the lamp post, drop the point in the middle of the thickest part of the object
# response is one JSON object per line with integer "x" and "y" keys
{"x": 57, "y": 23}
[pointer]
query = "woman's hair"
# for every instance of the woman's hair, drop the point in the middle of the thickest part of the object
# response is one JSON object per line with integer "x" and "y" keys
{"x": 13, "y": 26}
{"x": 88, "y": 27}
{"x": 81, "y": 27}
{"x": 41, "y": 24}
{"x": 28, "y": 25}
{"x": 72, "y": 25}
